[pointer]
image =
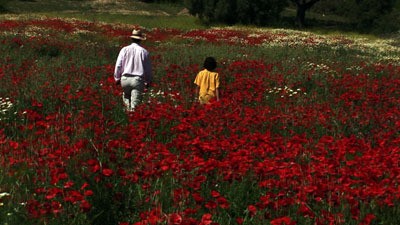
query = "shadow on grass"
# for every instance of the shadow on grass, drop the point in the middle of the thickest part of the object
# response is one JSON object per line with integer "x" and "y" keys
{"x": 324, "y": 26}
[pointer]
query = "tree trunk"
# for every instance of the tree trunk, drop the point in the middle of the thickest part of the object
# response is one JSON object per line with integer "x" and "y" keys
{"x": 302, "y": 7}
{"x": 301, "y": 16}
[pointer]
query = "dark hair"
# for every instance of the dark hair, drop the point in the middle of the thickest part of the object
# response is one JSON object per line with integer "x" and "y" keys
{"x": 134, "y": 40}
{"x": 210, "y": 63}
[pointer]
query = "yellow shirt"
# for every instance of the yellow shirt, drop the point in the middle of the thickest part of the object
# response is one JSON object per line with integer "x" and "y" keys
{"x": 208, "y": 83}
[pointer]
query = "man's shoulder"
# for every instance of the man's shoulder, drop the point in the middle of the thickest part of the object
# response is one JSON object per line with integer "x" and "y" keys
{"x": 125, "y": 48}
{"x": 140, "y": 48}
{"x": 137, "y": 46}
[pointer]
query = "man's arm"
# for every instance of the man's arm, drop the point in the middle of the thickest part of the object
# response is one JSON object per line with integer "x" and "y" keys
{"x": 148, "y": 70}
{"x": 118, "y": 69}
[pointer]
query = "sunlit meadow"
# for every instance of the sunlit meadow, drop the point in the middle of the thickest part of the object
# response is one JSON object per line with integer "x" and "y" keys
{"x": 306, "y": 132}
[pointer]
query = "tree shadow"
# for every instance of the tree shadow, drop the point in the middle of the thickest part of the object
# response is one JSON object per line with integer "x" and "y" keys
{"x": 4, "y": 9}
{"x": 316, "y": 24}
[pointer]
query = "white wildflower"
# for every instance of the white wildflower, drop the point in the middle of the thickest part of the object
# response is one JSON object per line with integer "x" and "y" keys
{"x": 4, "y": 194}
{"x": 283, "y": 92}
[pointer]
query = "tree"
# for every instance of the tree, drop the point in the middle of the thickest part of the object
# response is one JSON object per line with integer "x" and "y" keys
{"x": 258, "y": 12}
{"x": 378, "y": 16}
{"x": 223, "y": 12}
{"x": 369, "y": 12}
{"x": 195, "y": 7}
{"x": 163, "y": 1}
{"x": 302, "y": 7}
{"x": 3, "y": 4}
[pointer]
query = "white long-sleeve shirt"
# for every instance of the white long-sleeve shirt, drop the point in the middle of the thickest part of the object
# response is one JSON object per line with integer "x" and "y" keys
{"x": 133, "y": 60}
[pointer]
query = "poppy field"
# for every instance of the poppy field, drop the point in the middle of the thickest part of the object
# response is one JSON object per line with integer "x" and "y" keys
{"x": 307, "y": 130}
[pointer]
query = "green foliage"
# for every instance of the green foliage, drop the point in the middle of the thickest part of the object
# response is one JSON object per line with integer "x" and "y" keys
{"x": 3, "y": 4}
{"x": 364, "y": 15}
{"x": 389, "y": 22}
{"x": 369, "y": 11}
{"x": 163, "y": 1}
{"x": 223, "y": 11}
{"x": 259, "y": 12}
{"x": 372, "y": 16}
{"x": 330, "y": 7}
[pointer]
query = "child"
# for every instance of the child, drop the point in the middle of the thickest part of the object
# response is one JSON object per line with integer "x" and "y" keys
{"x": 207, "y": 82}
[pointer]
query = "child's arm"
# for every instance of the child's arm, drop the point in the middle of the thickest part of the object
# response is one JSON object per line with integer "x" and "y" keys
{"x": 197, "y": 92}
{"x": 217, "y": 93}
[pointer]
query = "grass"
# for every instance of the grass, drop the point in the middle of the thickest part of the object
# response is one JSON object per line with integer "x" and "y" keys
{"x": 127, "y": 12}
{"x": 158, "y": 15}
{"x": 64, "y": 123}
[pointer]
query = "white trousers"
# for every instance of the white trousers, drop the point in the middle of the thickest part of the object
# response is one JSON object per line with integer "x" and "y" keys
{"x": 133, "y": 87}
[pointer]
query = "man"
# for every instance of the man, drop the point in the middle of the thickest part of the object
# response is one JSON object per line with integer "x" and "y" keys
{"x": 133, "y": 71}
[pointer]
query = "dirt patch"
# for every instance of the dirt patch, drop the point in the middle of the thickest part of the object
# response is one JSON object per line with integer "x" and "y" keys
{"x": 184, "y": 12}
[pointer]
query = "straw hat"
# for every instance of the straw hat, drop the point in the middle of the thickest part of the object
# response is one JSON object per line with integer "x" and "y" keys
{"x": 137, "y": 34}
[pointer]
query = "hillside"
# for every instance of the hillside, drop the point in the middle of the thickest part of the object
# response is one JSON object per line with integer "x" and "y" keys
{"x": 117, "y": 11}
{"x": 306, "y": 130}
{"x": 122, "y": 7}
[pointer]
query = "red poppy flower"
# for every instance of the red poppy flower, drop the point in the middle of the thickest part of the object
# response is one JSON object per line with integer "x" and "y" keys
{"x": 85, "y": 206}
{"x": 206, "y": 219}
{"x": 107, "y": 172}
{"x": 197, "y": 197}
{"x": 252, "y": 210}
{"x": 215, "y": 194}
{"x": 368, "y": 219}
{"x": 282, "y": 221}
{"x": 88, "y": 193}
{"x": 239, "y": 220}
{"x": 211, "y": 205}
{"x": 174, "y": 219}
